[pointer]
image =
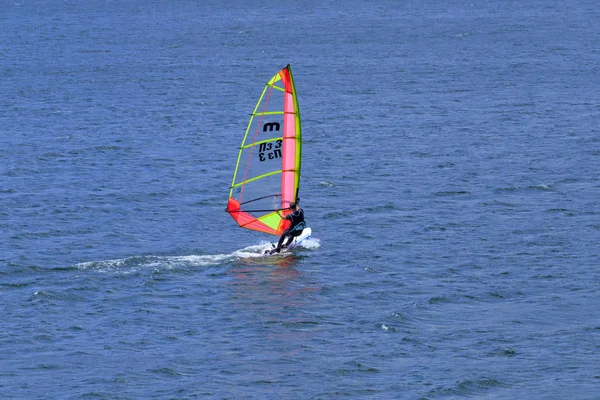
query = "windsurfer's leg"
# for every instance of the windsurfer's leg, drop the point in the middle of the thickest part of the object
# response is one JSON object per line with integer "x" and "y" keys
{"x": 280, "y": 243}
{"x": 292, "y": 235}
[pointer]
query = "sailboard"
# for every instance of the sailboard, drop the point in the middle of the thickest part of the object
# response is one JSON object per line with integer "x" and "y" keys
{"x": 266, "y": 178}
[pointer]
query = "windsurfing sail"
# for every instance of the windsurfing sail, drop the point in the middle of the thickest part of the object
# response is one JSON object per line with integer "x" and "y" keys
{"x": 266, "y": 178}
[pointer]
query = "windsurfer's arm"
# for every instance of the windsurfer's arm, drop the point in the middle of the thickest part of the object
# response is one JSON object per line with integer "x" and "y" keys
{"x": 288, "y": 217}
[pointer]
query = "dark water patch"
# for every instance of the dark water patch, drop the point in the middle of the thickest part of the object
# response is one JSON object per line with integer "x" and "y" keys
{"x": 452, "y": 193}
{"x": 502, "y": 352}
{"x": 110, "y": 148}
{"x": 378, "y": 208}
{"x": 17, "y": 278}
{"x": 67, "y": 295}
{"x": 45, "y": 367}
{"x": 435, "y": 229}
{"x": 166, "y": 372}
{"x": 335, "y": 215}
{"x": 50, "y": 156}
{"x": 44, "y": 338}
{"x": 35, "y": 235}
{"x": 94, "y": 395}
{"x": 446, "y": 164}
{"x": 470, "y": 387}
{"x": 560, "y": 211}
{"x": 439, "y": 300}
{"x": 355, "y": 367}
{"x": 547, "y": 277}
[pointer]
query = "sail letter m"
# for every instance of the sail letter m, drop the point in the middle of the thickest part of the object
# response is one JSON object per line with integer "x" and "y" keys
{"x": 270, "y": 126}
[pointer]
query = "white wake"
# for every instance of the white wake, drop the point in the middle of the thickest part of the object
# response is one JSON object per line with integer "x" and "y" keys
{"x": 136, "y": 263}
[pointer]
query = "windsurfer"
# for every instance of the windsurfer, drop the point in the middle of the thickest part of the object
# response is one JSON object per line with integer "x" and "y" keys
{"x": 295, "y": 229}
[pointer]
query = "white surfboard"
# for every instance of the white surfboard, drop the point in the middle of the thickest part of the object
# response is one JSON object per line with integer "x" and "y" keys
{"x": 306, "y": 232}
{"x": 305, "y": 235}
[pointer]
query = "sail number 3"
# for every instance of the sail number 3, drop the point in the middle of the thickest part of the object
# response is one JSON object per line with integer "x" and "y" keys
{"x": 267, "y": 151}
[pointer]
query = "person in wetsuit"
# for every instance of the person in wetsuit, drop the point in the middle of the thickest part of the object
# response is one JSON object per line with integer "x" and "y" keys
{"x": 295, "y": 229}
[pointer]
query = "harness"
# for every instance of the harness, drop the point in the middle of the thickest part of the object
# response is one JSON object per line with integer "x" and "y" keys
{"x": 300, "y": 227}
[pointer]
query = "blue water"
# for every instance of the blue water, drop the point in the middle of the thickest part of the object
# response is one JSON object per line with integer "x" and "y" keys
{"x": 450, "y": 176}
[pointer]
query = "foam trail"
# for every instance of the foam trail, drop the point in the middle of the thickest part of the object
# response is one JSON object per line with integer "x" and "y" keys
{"x": 136, "y": 263}
{"x": 132, "y": 264}
{"x": 311, "y": 243}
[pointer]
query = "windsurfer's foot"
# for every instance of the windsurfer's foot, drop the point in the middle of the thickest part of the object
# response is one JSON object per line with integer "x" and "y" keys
{"x": 272, "y": 251}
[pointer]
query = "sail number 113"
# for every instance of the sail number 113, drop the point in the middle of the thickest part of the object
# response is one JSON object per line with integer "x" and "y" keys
{"x": 268, "y": 151}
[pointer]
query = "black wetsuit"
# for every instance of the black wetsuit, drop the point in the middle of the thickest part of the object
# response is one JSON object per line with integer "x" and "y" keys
{"x": 295, "y": 229}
